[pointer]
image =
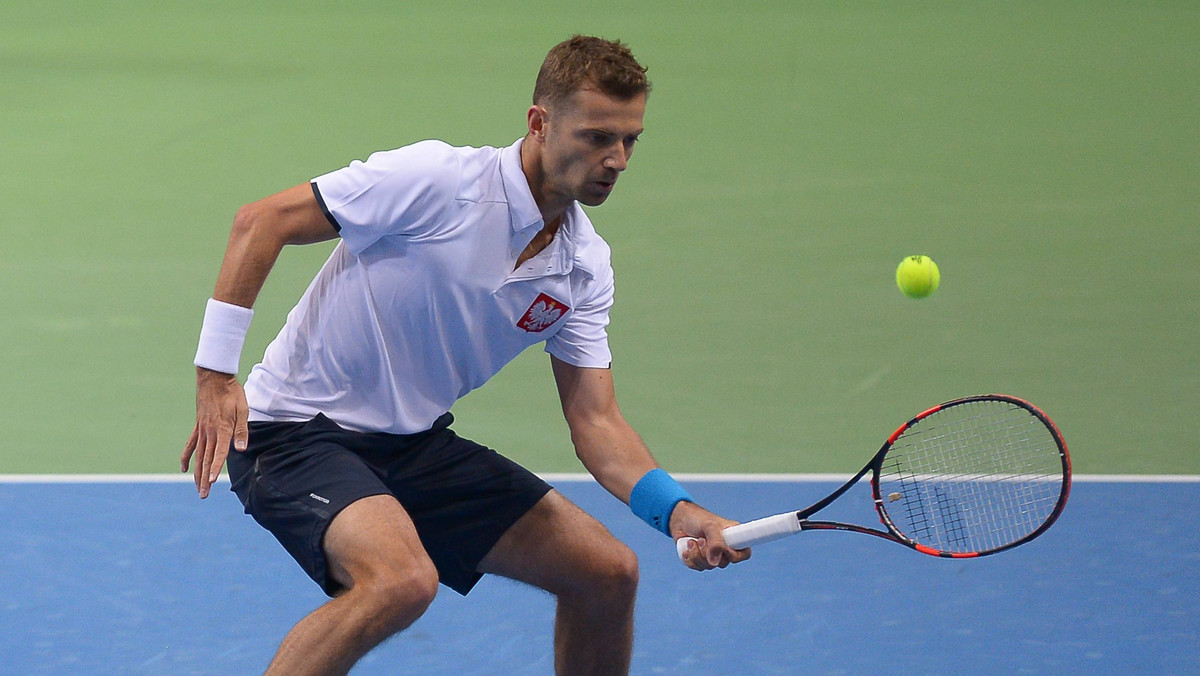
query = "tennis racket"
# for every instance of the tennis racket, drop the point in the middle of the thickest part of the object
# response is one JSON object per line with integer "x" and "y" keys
{"x": 967, "y": 478}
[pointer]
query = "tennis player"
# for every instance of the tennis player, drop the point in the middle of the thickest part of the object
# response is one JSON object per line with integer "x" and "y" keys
{"x": 452, "y": 261}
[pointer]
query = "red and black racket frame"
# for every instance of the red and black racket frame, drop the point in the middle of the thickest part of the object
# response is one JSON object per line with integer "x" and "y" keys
{"x": 876, "y": 463}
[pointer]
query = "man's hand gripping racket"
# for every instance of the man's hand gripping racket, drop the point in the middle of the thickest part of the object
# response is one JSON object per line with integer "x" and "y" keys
{"x": 969, "y": 477}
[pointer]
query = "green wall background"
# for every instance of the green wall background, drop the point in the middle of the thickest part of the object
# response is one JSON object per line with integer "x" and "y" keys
{"x": 1045, "y": 154}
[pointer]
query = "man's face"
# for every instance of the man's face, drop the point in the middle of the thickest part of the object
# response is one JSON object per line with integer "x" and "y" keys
{"x": 589, "y": 139}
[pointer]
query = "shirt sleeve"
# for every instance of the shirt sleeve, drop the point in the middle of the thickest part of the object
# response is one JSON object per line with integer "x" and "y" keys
{"x": 583, "y": 339}
{"x": 394, "y": 192}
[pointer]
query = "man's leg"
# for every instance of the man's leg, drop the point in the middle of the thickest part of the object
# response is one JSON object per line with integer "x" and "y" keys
{"x": 556, "y": 546}
{"x": 372, "y": 549}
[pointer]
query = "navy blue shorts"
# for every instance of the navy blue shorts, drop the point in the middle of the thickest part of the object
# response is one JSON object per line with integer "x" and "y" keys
{"x": 296, "y": 476}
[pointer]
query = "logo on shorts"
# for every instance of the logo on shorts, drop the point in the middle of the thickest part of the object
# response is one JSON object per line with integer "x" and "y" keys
{"x": 544, "y": 312}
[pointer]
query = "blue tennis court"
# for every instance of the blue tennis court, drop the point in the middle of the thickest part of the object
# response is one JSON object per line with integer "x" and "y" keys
{"x": 140, "y": 577}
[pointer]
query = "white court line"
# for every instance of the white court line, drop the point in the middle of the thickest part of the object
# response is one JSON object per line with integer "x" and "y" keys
{"x": 1082, "y": 478}
{"x": 564, "y": 477}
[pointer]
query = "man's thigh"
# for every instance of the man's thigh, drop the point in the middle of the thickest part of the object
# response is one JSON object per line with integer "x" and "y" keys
{"x": 374, "y": 537}
{"x": 557, "y": 546}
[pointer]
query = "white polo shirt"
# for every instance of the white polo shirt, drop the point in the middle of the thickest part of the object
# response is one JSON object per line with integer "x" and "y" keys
{"x": 419, "y": 303}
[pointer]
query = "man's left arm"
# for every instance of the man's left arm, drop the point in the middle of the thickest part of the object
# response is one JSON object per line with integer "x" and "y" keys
{"x": 617, "y": 457}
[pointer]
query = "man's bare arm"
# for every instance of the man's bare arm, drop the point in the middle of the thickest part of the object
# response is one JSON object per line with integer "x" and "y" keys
{"x": 615, "y": 454}
{"x": 260, "y": 231}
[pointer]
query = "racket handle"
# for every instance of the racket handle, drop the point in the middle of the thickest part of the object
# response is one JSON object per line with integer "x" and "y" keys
{"x": 752, "y": 533}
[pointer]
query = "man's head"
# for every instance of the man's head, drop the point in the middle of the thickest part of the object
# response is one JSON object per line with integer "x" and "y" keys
{"x": 585, "y": 119}
{"x": 584, "y": 62}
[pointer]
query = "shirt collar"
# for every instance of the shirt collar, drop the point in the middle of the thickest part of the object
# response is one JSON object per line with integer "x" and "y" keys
{"x": 523, "y": 211}
{"x": 526, "y": 220}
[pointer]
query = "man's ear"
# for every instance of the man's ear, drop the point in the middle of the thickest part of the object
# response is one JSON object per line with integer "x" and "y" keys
{"x": 536, "y": 121}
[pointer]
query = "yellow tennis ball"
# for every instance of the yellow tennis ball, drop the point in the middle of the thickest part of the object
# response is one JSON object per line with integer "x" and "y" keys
{"x": 918, "y": 276}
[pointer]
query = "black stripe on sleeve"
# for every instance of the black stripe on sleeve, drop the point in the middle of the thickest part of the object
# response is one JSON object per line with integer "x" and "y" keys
{"x": 324, "y": 209}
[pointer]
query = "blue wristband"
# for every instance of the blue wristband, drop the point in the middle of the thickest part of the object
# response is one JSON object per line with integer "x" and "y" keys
{"x": 654, "y": 498}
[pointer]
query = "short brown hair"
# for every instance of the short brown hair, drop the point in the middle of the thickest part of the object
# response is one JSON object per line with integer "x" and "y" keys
{"x": 585, "y": 62}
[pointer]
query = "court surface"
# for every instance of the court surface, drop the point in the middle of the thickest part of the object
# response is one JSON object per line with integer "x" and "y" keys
{"x": 143, "y": 578}
{"x": 1044, "y": 154}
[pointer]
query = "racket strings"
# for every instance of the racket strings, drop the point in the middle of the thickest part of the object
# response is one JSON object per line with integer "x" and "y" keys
{"x": 972, "y": 478}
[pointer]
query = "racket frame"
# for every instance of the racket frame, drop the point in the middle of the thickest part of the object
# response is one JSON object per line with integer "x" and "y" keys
{"x": 876, "y": 464}
{"x": 788, "y": 523}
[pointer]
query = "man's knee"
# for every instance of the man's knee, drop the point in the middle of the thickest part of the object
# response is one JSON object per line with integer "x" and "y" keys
{"x": 612, "y": 576}
{"x": 395, "y": 597}
{"x": 624, "y": 573}
{"x": 414, "y": 587}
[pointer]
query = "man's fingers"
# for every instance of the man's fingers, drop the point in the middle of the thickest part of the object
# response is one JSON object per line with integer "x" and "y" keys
{"x": 198, "y": 467}
{"x": 700, "y": 554}
{"x": 693, "y": 556}
{"x": 214, "y": 457}
{"x": 739, "y": 555}
{"x": 709, "y": 552}
{"x": 717, "y": 556}
{"x": 206, "y": 451}
{"x": 188, "y": 449}
{"x": 720, "y": 554}
{"x": 241, "y": 433}
{"x": 716, "y": 552}
{"x": 221, "y": 421}
{"x": 217, "y": 461}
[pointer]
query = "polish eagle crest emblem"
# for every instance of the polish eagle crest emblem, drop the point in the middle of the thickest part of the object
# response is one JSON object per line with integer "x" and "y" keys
{"x": 542, "y": 313}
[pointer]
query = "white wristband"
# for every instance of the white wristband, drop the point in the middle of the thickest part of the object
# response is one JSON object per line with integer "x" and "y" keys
{"x": 222, "y": 336}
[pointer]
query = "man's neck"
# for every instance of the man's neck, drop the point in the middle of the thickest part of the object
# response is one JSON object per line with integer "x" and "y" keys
{"x": 539, "y": 242}
{"x": 550, "y": 205}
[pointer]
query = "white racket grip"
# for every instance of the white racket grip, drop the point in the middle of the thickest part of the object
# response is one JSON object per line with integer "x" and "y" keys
{"x": 752, "y": 533}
